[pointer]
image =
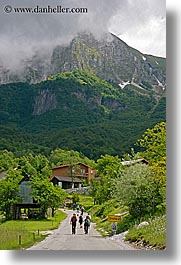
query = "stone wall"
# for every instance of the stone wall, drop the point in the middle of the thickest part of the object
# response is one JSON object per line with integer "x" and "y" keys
{"x": 82, "y": 190}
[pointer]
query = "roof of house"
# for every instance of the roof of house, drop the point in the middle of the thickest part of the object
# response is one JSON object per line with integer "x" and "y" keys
{"x": 132, "y": 162}
{"x": 67, "y": 179}
{"x": 24, "y": 176}
{"x": 67, "y": 165}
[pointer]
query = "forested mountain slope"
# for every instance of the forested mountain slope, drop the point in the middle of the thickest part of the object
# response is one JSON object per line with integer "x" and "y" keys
{"x": 76, "y": 110}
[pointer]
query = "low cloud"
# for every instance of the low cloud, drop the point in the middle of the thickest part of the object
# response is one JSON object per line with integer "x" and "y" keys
{"x": 21, "y": 35}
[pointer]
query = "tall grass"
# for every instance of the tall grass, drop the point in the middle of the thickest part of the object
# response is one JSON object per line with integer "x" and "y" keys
{"x": 19, "y": 234}
{"x": 153, "y": 234}
{"x": 14, "y": 237}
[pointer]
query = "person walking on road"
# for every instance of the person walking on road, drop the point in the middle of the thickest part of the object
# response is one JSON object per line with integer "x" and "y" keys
{"x": 80, "y": 220}
{"x": 86, "y": 224}
{"x": 73, "y": 221}
{"x": 89, "y": 216}
{"x": 78, "y": 208}
{"x": 82, "y": 210}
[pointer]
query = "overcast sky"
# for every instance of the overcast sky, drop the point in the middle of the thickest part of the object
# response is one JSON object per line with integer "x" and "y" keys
{"x": 140, "y": 23}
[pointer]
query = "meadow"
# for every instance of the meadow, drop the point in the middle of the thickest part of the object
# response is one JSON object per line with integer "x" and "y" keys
{"x": 21, "y": 234}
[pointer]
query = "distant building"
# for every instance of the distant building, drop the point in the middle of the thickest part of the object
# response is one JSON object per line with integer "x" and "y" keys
{"x": 27, "y": 202}
{"x": 72, "y": 176}
{"x": 26, "y": 206}
{"x": 132, "y": 162}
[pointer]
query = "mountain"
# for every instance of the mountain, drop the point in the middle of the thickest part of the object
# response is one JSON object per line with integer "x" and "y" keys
{"x": 76, "y": 110}
{"x": 109, "y": 58}
{"x": 92, "y": 95}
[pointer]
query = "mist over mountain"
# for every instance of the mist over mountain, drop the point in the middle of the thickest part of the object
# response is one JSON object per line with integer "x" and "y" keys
{"x": 108, "y": 57}
{"x": 25, "y": 34}
{"x": 22, "y": 34}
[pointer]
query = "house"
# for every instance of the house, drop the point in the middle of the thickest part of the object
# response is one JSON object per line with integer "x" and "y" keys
{"x": 132, "y": 162}
{"x": 26, "y": 206}
{"x": 72, "y": 175}
{"x": 27, "y": 202}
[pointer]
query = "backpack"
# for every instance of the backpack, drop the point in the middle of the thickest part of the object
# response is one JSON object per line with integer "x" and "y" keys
{"x": 74, "y": 219}
{"x": 87, "y": 221}
{"x": 80, "y": 218}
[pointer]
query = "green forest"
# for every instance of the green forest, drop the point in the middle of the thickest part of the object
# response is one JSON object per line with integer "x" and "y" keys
{"x": 76, "y": 111}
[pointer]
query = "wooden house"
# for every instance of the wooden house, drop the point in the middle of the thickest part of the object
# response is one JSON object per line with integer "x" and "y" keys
{"x": 72, "y": 176}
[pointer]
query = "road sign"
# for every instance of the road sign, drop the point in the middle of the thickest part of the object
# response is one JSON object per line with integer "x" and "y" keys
{"x": 114, "y": 218}
{"x": 114, "y": 228}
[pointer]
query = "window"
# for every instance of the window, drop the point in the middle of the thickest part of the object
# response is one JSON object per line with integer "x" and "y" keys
{"x": 82, "y": 171}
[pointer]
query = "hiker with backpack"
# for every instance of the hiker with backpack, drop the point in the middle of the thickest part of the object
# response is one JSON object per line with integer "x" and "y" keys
{"x": 82, "y": 210}
{"x": 73, "y": 222}
{"x": 86, "y": 224}
{"x": 80, "y": 220}
{"x": 89, "y": 216}
{"x": 78, "y": 208}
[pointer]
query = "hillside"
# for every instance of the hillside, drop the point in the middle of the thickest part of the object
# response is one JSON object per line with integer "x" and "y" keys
{"x": 76, "y": 110}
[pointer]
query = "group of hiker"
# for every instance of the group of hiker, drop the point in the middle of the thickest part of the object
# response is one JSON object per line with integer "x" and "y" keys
{"x": 83, "y": 222}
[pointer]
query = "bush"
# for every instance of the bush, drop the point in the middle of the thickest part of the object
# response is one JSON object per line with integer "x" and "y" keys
{"x": 126, "y": 222}
{"x": 75, "y": 198}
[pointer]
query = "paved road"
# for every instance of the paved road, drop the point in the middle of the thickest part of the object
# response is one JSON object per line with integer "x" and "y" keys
{"x": 62, "y": 239}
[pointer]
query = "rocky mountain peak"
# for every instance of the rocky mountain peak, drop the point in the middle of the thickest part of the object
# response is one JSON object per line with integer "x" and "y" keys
{"x": 108, "y": 57}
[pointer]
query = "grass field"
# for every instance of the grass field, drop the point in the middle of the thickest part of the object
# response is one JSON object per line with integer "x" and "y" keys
{"x": 20, "y": 234}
